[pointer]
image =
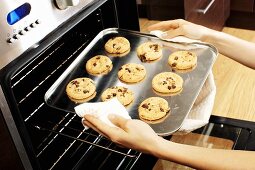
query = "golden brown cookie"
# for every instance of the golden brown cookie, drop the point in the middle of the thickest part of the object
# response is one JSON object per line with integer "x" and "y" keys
{"x": 167, "y": 83}
{"x": 99, "y": 65}
{"x": 182, "y": 60}
{"x": 132, "y": 73}
{"x": 153, "y": 108}
{"x": 124, "y": 95}
{"x": 149, "y": 51}
{"x": 117, "y": 45}
{"x": 81, "y": 89}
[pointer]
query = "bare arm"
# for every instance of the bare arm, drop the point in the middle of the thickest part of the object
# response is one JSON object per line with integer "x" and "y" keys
{"x": 237, "y": 49}
{"x": 138, "y": 135}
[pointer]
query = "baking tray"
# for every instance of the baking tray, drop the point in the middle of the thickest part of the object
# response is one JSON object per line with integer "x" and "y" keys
{"x": 180, "y": 104}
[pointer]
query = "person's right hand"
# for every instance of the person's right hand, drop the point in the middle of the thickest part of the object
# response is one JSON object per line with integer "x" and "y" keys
{"x": 179, "y": 27}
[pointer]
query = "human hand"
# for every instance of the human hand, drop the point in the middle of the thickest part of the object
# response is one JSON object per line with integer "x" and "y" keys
{"x": 178, "y": 27}
{"x": 133, "y": 134}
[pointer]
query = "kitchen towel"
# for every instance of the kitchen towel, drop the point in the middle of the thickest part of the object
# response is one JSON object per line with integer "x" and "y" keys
{"x": 102, "y": 109}
{"x": 178, "y": 39}
{"x": 203, "y": 106}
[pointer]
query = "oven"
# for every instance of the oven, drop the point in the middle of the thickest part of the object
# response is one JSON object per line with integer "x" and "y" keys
{"x": 39, "y": 40}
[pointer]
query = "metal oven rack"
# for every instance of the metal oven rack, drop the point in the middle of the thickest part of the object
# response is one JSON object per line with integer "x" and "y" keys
{"x": 89, "y": 137}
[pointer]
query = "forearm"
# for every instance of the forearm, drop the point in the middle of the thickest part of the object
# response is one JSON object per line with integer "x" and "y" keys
{"x": 204, "y": 158}
{"x": 237, "y": 49}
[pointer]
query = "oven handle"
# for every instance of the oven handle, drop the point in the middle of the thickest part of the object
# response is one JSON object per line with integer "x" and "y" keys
{"x": 204, "y": 11}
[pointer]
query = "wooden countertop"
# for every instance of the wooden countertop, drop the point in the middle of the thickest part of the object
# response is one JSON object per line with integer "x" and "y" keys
{"x": 235, "y": 83}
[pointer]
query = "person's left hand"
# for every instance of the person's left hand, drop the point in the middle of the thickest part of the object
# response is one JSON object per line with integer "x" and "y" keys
{"x": 134, "y": 134}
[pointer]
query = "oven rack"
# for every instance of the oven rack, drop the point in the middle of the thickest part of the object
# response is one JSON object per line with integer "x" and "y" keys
{"x": 86, "y": 136}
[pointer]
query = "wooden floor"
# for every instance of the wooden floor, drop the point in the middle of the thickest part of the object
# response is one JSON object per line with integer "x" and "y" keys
{"x": 235, "y": 97}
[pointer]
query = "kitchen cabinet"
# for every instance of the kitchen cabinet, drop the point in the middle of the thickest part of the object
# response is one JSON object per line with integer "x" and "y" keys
{"x": 164, "y": 9}
{"x": 209, "y": 13}
{"x": 242, "y": 5}
{"x": 127, "y": 10}
{"x": 242, "y": 14}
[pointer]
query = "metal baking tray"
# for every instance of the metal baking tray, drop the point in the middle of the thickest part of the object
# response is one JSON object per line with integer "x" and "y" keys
{"x": 180, "y": 104}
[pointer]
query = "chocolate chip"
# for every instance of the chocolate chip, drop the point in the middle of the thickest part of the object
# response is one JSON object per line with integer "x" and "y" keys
{"x": 164, "y": 82}
{"x": 143, "y": 57}
{"x": 98, "y": 57}
{"x": 119, "y": 90}
{"x": 114, "y": 94}
{"x": 113, "y": 45}
{"x": 107, "y": 66}
{"x": 128, "y": 70}
{"x": 120, "y": 68}
{"x": 74, "y": 82}
{"x": 155, "y": 47}
{"x": 174, "y": 64}
{"x": 85, "y": 91}
{"x": 108, "y": 96}
{"x": 175, "y": 58}
{"x": 118, "y": 48}
{"x": 189, "y": 53}
{"x": 145, "y": 106}
{"x": 169, "y": 78}
{"x": 162, "y": 110}
{"x": 94, "y": 64}
{"x": 169, "y": 87}
{"x": 173, "y": 86}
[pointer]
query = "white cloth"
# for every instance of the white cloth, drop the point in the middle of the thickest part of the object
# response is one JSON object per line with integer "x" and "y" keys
{"x": 179, "y": 39}
{"x": 102, "y": 109}
{"x": 203, "y": 106}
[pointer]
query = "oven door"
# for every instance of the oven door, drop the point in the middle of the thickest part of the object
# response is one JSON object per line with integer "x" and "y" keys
{"x": 219, "y": 133}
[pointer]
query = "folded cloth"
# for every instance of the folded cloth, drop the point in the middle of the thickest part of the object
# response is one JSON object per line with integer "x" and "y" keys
{"x": 179, "y": 39}
{"x": 101, "y": 110}
{"x": 203, "y": 106}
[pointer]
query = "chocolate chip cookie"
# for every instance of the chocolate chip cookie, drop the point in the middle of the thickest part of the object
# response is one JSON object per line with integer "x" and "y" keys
{"x": 167, "y": 83}
{"x": 124, "y": 95}
{"x": 132, "y": 73}
{"x": 99, "y": 65}
{"x": 149, "y": 51}
{"x": 153, "y": 108}
{"x": 182, "y": 60}
{"x": 117, "y": 45}
{"x": 81, "y": 89}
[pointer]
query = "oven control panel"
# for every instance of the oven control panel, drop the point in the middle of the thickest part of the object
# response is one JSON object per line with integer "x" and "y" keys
{"x": 25, "y": 22}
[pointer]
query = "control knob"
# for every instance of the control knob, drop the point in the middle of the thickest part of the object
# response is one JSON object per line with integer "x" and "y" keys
{"x": 63, "y": 4}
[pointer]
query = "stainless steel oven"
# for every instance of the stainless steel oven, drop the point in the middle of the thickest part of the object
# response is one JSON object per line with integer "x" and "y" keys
{"x": 38, "y": 41}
